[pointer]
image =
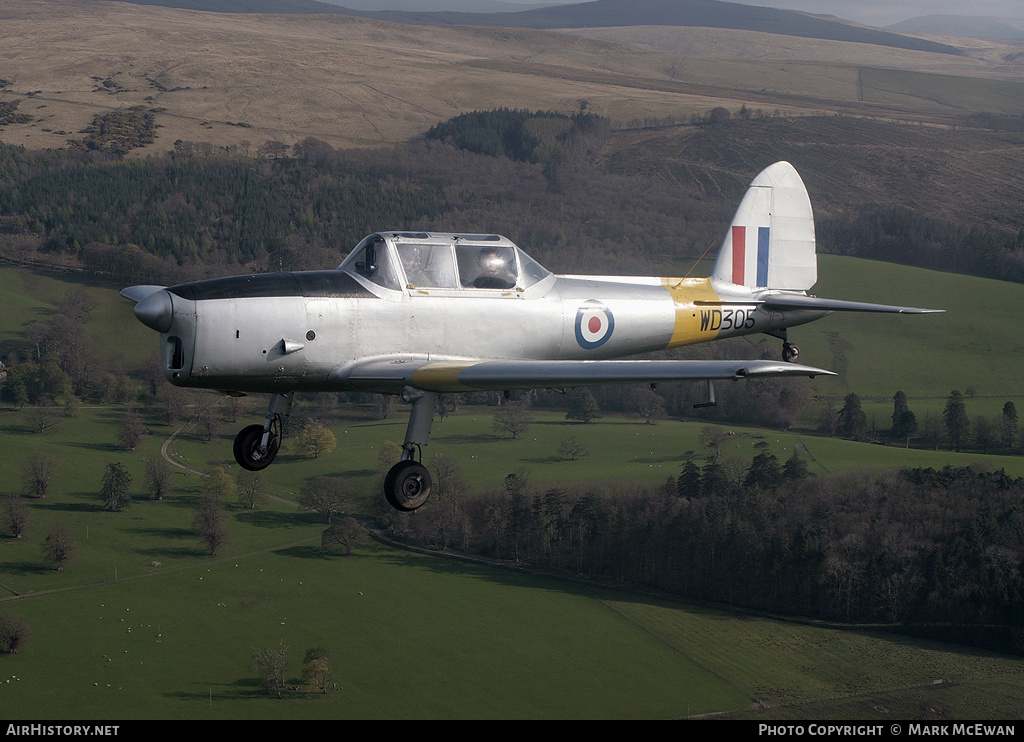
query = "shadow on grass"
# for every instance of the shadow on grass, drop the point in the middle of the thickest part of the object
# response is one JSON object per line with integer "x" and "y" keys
{"x": 355, "y": 473}
{"x": 175, "y": 552}
{"x": 670, "y": 459}
{"x": 175, "y": 533}
{"x": 304, "y": 551}
{"x": 107, "y": 447}
{"x": 546, "y": 460}
{"x": 242, "y": 689}
{"x": 271, "y": 519}
{"x": 475, "y": 438}
{"x": 23, "y": 569}
{"x": 69, "y": 507}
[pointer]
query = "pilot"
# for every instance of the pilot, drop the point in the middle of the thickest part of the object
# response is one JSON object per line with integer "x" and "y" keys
{"x": 414, "y": 262}
{"x": 495, "y": 272}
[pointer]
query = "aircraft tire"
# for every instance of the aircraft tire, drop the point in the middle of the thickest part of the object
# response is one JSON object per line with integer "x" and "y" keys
{"x": 790, "y": 353}
{"x": 247, "y": 448}
{"x": 407, "y": 485}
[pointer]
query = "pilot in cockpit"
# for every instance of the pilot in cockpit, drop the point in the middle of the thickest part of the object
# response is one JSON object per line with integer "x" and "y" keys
{"x": 414, "y": 261}
{"x": 495, "y": 270}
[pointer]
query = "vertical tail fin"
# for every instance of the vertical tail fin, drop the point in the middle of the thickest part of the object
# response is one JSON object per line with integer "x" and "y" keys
{"x": 770, "y": 244}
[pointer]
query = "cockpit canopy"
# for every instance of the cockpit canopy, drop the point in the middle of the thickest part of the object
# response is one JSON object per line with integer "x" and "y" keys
{"x": 425, "y": 260}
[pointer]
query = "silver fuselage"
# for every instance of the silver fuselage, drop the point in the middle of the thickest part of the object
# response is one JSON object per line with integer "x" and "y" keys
{"x": 305, "y": 331}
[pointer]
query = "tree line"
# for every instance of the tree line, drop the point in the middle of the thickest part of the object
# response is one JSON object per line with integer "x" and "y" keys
{"x": 556, "y": 184}
{"x": 894, "y": 232}
{"x": 930, "y": 552}
{"x": 952, "y": 428}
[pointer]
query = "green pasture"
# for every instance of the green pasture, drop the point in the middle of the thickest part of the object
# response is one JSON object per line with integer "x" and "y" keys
{"x": 782, "y": 666}
{"x": 143, "y": 624}
{"x": 623, "y": 453}
{"x": 30, "y": 296}
{"x": 409, "y": 637}
{"x": 426, "y": 637}
{"x": 976, "y": 342}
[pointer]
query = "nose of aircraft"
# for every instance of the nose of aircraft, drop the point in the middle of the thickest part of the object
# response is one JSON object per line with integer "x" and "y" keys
{"x": 156, "y": 311}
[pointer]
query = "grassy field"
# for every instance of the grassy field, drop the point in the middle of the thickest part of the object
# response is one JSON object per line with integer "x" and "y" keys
{"x": 409, "y": 636}
{"x": 143, "y": 624}
{"x": 972, "y": 344}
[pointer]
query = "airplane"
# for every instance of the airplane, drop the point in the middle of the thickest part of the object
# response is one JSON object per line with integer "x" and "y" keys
{"x": 420, "y": 314}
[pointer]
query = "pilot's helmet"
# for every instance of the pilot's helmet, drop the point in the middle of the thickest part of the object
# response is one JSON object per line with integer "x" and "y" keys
{"x": 413, "y": 257}
{"x": 492, "y": 260}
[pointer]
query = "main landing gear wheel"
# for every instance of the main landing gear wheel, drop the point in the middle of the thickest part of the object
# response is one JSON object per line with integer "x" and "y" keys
{"x": 790, "y": 353}
{"x": 250, "y": 454}
{"x": 407, "y": 485}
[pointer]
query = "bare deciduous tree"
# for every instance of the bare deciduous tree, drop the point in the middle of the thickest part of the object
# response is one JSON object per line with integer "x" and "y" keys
{"x": 131, "y": 429}
{"x": 14, "y": 633}
{"x": 573, "y": 448}
{"x": 512, "y": 420}
{"x": 59, "y": 545}
{"x": 251, "y": 488}
{"x": 324, "y": 495}
{"x": 271, "y": 665}
{"x": 158, "y": 477}
{"x": 36, "y": 473}
{"x": 16, "y": 515}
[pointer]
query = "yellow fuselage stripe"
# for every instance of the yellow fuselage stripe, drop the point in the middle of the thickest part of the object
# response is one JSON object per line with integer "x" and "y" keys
{"x": 685, "y": 292}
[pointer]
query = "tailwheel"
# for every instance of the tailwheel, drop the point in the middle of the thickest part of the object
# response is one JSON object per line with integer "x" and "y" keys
{"x": 249, "y": 450}
{"x": 790, "y": 353}
{"x": 407, "y": 485}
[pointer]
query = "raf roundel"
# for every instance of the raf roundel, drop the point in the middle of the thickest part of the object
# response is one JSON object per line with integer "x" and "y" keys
{"x": 594, "y": 324}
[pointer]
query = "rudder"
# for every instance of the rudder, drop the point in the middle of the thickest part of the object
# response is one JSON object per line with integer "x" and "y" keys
{"x": 770, "y": 243}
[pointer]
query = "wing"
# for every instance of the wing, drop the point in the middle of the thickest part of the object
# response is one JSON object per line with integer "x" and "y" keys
{"x": 396, "y": 373}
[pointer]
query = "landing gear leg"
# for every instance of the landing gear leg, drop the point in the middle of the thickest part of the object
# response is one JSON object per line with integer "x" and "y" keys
{"x": 256, "y": 446}
{"x": 407, "y": 484}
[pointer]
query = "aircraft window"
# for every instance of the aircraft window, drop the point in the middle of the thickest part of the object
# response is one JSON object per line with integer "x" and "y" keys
{"x": 486, "y": 267}
{"x": 532, "y": 270}
{"x": 372, "y": 260}
{"x": 428, "y": 266}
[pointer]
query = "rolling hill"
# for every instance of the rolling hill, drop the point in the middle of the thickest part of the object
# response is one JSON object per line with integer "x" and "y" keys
{"x": 602, "y": 13}
{"x": 242, "y": 79}
{"x": 984, "y": 27}
{"x": 702, "y": 13}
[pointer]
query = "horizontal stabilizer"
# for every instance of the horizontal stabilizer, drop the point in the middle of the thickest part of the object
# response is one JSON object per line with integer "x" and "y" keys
{"x": 782, "y": 302}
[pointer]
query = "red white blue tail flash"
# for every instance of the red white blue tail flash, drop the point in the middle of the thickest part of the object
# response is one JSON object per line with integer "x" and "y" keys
{"x": 770, "y": 244}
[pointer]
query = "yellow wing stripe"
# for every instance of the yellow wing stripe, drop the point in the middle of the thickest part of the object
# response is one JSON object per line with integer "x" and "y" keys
{"x": 442, "y": 376}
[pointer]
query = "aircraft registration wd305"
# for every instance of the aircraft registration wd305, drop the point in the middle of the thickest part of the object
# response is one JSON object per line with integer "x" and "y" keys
{"x": 418, "y": 315}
